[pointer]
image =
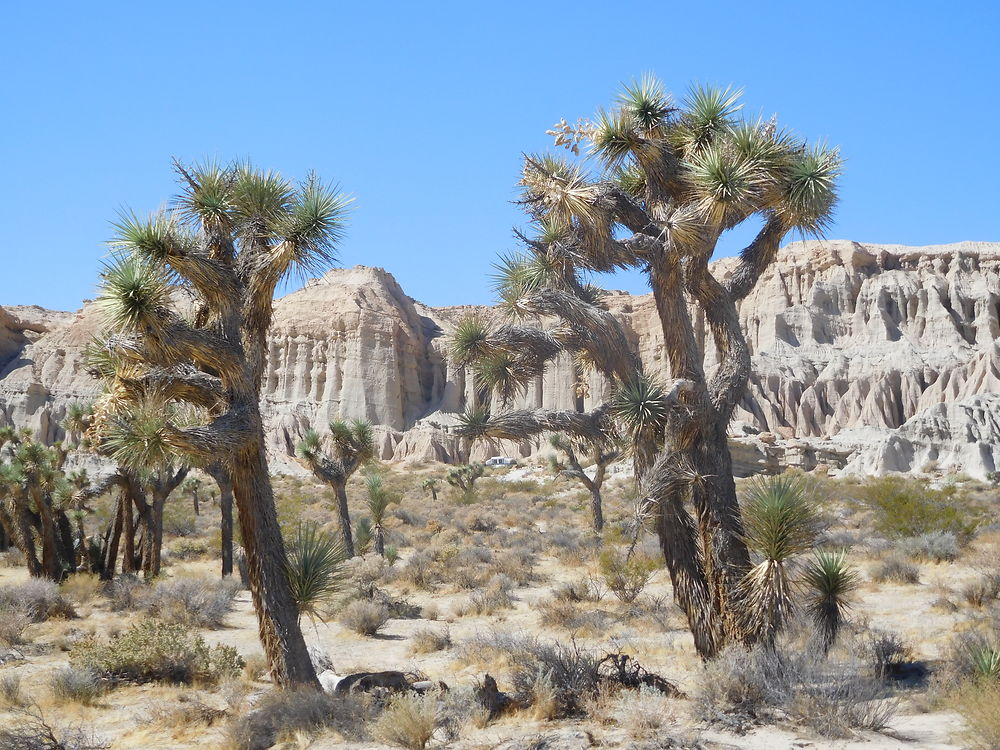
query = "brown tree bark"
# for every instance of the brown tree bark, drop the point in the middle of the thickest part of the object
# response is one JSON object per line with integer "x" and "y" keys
{"x": 277, "y": 613}
{"x": 344, "y": 516}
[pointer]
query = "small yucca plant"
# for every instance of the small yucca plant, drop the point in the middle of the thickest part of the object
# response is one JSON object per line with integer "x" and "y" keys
{"x": 829, "y": 583}
{"x": 780, "y": 524}
{"x": 315, "y": 570}
{"x": 986, "y": 661}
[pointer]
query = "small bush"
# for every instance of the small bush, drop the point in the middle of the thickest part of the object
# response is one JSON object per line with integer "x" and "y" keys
{"x": 492, "y": 598}
{"x": 909, "y": 508}
{"x": 282, "y": 712}
{"x": 408, "y": 721}
{"x": 936, "y": 546}
{"x": 364, "y": 617}
{"x": 896, "y": 570}
{"x": 419, "y": 570}
{"x": 626, "y": 577}
{"x": 887, "y": 653}
{"x": 199, "y": 602}
{"x": 81, "y": 588}
{"x": 31, "y": 731}
{"x": 179, "y": 520}
{"x": 188, "y": 549}
{"x": 37, "y": 598}
{"x": 983, "y": 590}
{"x": 978, "y": 702}
{"x": 155, "y": 651}
{"x": 429, "y": 640}
{"x": 13, "y": 623}
{"x": 127, "y": 592}
{"x": 75, "y": 685}
{"x": 10, "y": 689}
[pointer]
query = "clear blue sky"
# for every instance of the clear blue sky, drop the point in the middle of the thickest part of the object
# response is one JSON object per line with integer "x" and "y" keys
{"x": 421, "y": 111}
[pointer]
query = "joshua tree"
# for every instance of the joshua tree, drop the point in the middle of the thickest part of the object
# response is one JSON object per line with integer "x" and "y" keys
{"x": 378, "y": 501}
{"x": 192, "y": 486}
{"x": 234, "y": 234}
{"x": 602, "y": 458}
{"x": 673, "y": 180}
{"x": 464, "y": 477}
{"x": 352, "y": 445}
{"x": 430, "y": 485}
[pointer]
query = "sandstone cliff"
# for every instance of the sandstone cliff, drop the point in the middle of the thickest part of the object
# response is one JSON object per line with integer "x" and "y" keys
{"x": 870, "y": 357}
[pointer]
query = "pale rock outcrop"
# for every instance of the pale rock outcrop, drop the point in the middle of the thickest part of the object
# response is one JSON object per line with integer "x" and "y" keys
{"x": 859, "y": 351}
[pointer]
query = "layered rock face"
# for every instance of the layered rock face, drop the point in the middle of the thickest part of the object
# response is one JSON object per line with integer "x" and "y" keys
{"x": 870, "y": 357}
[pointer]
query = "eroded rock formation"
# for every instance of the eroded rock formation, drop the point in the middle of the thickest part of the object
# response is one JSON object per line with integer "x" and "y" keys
{"x": 874, "y": 357}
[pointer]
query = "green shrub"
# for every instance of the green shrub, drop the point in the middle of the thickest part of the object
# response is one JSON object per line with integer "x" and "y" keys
{"x": 199, "y": 602}
{"x": 626, "y": 576}
{"x": 908, "y": 508}
{"x": 155, "y": 651}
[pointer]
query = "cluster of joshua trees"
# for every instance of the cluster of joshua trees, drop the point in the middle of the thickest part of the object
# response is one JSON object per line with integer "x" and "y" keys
{"x": 188, "y": 302}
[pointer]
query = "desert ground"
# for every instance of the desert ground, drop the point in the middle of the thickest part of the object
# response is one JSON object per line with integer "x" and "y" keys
{"x": 483, "y": 584}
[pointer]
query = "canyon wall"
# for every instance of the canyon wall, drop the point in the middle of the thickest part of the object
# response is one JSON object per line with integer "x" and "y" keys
{"x": 866, "y": 358}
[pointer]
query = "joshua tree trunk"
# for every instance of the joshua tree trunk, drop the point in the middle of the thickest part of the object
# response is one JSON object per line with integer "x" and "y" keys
{"x": 378, "y": 540}
{"x": 277, "y": 612}
{"x": 221, "y": 477}
{"x": 113, "y": 537}
{"x": 345, "y": 518}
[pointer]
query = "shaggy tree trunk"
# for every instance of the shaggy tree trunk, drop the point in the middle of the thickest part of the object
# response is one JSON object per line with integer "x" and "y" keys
{"x": 221, "y": 477}
{"x": 277, "y": 613}
{"x": 64, "y": 539}
{"x": 47, "y": 531}
{"x": 113, "y": 537}
{"x": 128, "y": 555}
{"x": 345, "y": 518}
{"x": 378, "y": 540}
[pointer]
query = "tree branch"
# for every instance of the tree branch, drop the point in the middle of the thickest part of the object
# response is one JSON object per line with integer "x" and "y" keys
{"x": 755, "y": 258}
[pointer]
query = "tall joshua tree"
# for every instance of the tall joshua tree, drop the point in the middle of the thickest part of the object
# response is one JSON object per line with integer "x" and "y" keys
{"x": 602, "y": 457}
{"x": 671, "y": 180}
{"x": 351, "y": 446}
{"x": 234, "y": 233}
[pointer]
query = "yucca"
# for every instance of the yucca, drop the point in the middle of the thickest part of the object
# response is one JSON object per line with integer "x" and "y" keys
{"x": 315, "y": 570}
{"x": 829, "y": 584}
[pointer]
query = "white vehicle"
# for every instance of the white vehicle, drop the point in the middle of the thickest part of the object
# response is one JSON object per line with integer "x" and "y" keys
{"x": 500, "y": 461}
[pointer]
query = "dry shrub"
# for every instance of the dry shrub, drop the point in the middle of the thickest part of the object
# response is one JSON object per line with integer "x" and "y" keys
{"x": 201, "y": 602}
{"x": 13, "y": 623}
{"x": 82, "y": 588}
{"x": 896, "y": 570}
{"x": 127, "y": 592}
{"x": 420, "y": 571}
{"x": 740, "y": 688}
{"x": 364, "y": 617}
{"x": 75, "y": 685}
{"x": 408, "y": 721}
{"x": 934, "y": 546}
{"x": 644, "y": 713}
{"x": 10, "y": 689}
{"x": 983, "y": 590}
{"x": 429, "y": 640}
{"x": 30, "y": 730}
{"x": 492, "y": 598}
{"x": 516, "y": 564}
{"x": 154, "y": 651}
{"x": 40, "y": 600}
{"x": 978, "y": 702}
{"x": 281, "y": 712}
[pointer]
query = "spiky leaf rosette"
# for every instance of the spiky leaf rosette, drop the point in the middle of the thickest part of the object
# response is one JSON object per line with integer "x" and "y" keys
{"x": 780, "y": 523}
{"x": 829, "y": 582}
{"x": 378, "y": 497}
{"x": 474, "y": 422}
{"x": 315, "y": 570}
{"x": 470, "y": 340}
{"x": 135, "y": 294}
{"x": 641, "y": 407}
{"x": 558, "y": 190}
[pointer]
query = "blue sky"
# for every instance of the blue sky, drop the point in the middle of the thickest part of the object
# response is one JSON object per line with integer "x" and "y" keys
{"x": 422, "y": 110}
